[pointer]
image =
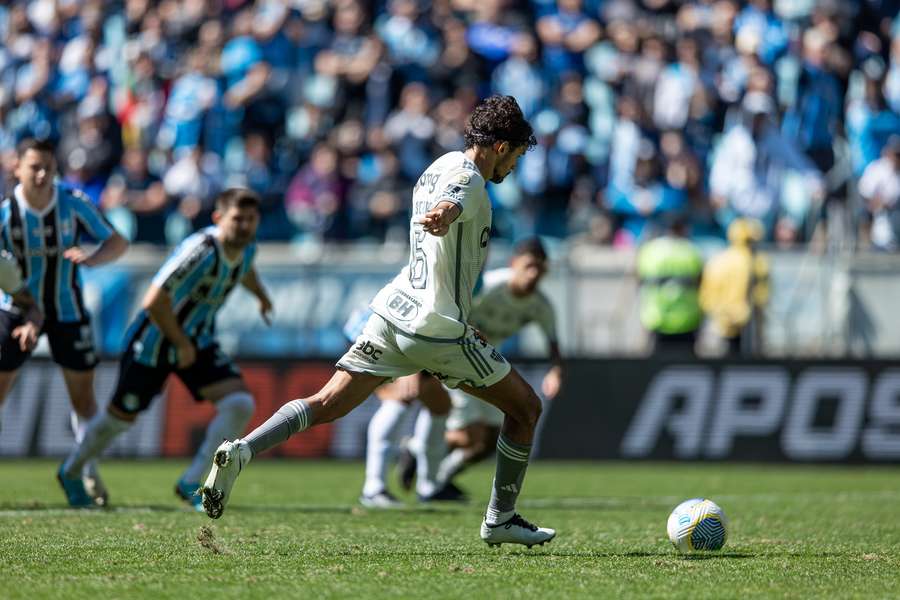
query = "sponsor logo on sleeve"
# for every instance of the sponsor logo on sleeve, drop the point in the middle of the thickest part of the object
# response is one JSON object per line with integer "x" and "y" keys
{"x": 403, "y": 307}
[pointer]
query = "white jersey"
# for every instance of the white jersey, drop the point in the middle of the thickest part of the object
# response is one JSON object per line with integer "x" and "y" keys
{"x": 499, "y": 315}
{"x": 432, "y": 295}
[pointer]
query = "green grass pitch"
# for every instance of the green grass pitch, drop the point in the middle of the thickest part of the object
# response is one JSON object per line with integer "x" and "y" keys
{"x": 293, "y": 530}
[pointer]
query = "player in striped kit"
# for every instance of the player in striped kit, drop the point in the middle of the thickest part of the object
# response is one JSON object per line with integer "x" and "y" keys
{"x": 420, "y": 322}
{"x": 175, "y": 333}
{"x": 43, "y": 223}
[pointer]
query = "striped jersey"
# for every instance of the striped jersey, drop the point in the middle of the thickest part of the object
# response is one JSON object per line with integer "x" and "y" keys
{"x": 198, "y": 278}
{"x": 38, "y": 239}
{"x": 432, "y": 295}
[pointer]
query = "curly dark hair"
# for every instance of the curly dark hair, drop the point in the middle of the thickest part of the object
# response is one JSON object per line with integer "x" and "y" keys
{"x": 499, "y": 119}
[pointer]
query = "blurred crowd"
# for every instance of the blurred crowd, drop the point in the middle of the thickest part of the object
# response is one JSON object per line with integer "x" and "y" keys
{"x": 645, "y": 110}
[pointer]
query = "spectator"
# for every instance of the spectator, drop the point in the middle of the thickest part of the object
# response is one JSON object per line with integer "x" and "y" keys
{"x": 193, "y": 182}
{"x": 669, "y": 269}
{"x": 410, "y": 130}
{"x": 192, "y": 95}
{"x": 879, "y": 189}
{"x": 315, "y": 196}
{"x": 643, "y": 206}
{"x": 749, "y": 166}
{"x": 91, "y": 152}
{"x": 410, "y": 44}
{"x": 870, "y": 121}
{"x": 812, "y": 119}
{"x": 566, "y": 34}
{"x": 676, "y": 86}
{"x": 351, "y": 56}
{"x": 735, "y": 288}
{"x": 759, "y": 18}
{"x": 519, "y": 76}
{"x": 138, "y": 196}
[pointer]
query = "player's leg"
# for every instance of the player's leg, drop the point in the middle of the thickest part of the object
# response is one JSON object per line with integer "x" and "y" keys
{"x": 80, "y": 385}
{"x": 135, "y": 389}
{"x": 468, "y": 446}
{"x": 7, "y": 378}
{"x": 383, "y": 439}
{"x": 213, "y": 377}
{"x": 72, "y": 348}
{"x": 522, "y": 408}
{"x": 479, "y": 369}
{"x": 343, "y": 392}
{"x": 427, "y": 444}
{"x": 234, "y": 409}
{"x": 472, "y": 429}
{"x": 11, "y": 355}
{"x": 372, "y": 359}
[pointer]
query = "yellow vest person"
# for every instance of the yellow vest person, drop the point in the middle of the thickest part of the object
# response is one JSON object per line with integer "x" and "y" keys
{"x": 669, "y": 269}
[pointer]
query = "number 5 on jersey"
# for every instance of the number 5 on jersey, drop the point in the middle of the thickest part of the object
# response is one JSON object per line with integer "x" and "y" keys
{"x": 418, "y": 266}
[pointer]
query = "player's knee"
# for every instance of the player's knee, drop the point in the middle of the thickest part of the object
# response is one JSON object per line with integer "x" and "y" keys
{"x": 531, "y": 410}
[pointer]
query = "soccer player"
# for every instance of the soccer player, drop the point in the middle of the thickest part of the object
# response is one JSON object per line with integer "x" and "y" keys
{"x": 420, "y": 322}
{"x": 175, "y": 333}
{"x": 42, "y": 224}
{"x": 397, "y": 400}
{"x": 508, "y": 301}
{"x": 11, "y": 282}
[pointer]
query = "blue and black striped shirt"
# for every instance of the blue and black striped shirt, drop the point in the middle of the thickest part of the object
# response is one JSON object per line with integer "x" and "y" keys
{"x": 38, "y": 240}
{"x": 198, "y": 277}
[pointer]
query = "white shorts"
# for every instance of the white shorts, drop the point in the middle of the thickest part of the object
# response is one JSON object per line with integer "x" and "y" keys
{"x": 468, "y": 410}
{"x": 386, "y": 351}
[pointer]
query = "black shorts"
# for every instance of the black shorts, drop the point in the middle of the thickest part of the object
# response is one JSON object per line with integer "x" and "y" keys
{"x": 71, "y": 344}
{"x": 139, "y": 383}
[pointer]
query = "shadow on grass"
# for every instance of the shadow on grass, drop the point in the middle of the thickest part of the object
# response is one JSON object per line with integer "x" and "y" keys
{"x": 592, "y": 504}
{"x": 34, "y": 508}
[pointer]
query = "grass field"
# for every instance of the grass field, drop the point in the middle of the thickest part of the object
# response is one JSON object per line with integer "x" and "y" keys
{"x": 293, "y": 531}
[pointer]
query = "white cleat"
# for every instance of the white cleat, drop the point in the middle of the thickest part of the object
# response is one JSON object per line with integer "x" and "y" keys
{"x": 229, "y": 459}
{"x": 381, "y": 500}
{"x": 94, "y": 486}
{"x": 516, "y": 531}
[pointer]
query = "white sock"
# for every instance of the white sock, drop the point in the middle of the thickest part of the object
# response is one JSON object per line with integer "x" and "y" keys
{"x": 382, "y": 440}
{"x": 79, "y": 428}
{"x": 233, "y": 412}
{"x": 428, "y": 446}
{"x": 100, "y": 432}
{"x": 450, "y": 465}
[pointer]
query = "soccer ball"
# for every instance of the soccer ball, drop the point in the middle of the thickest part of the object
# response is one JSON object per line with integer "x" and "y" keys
{"x": 697, "y": 524}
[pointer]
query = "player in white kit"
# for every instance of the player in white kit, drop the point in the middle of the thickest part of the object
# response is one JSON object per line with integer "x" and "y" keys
{"x": 507, "y": 302}
{"x": 420, "y": 322}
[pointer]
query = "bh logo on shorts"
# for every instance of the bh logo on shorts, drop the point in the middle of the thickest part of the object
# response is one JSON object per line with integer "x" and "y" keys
{"x": 368, "y": 351}
{"x": 402, "y": 307}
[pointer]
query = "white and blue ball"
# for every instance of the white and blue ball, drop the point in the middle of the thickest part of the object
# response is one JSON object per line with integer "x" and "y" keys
{"x": 698, "y": 524}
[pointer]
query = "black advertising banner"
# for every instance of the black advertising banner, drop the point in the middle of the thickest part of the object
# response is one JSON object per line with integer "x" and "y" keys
{"x": 810, "y": 411}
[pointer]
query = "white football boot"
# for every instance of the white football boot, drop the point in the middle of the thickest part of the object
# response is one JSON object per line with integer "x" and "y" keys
{"x": 516, "y": 531}
{"x": 229, "y": 459}
{"x": 383, "y": 500}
